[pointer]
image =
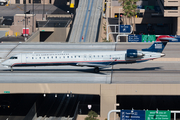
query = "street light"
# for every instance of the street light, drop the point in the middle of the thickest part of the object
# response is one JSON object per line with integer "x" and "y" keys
{"x": 119, "y": 20}
{"x": 25, "y": 18}
{"x": 33, "y": 17}
{"x": 115, "y": 109}
{"x": 43, "y": 9}
{"x": 107, "y": 15}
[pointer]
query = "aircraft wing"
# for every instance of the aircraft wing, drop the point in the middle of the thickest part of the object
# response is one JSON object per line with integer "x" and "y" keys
{"x": 92, "y": 65}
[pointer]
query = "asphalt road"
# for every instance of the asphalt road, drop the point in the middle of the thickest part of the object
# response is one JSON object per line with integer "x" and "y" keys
{"x": 11, "y": 10}
{"x": 152, "y": 72}
{"x": 57, "y": 74}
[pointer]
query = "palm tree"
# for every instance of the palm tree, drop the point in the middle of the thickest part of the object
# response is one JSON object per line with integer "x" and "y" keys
{"x": 129, "y": 8}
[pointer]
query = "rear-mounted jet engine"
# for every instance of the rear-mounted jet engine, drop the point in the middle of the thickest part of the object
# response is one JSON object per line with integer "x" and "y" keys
{"x": 132, "y": 53}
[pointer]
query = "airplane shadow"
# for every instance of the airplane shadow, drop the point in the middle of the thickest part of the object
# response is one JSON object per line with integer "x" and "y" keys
{"x": 83, "y": 70}
{"x": 54, "y": 70}
{"x": 141, "y": 69}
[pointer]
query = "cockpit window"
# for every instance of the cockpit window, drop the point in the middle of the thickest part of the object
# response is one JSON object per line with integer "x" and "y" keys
{"x": 13, "y": 57}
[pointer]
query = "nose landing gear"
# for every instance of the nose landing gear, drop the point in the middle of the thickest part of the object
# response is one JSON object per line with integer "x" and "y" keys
{"x": 11, "y": 69}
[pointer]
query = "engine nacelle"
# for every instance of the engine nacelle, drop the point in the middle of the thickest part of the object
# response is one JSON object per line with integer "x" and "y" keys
{"x": 132, "y": 53}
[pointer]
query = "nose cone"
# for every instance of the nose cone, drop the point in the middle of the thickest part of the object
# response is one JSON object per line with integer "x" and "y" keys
{"x": 3, "y": 63}
{"x": 162, "y": 55}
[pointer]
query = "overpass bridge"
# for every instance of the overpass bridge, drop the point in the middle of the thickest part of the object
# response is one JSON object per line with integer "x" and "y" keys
{"x": 158, "y": 77}
{"x": 87, "y": 21}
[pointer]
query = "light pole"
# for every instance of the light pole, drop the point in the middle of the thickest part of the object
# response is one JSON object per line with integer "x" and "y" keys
{"x": 43, "y": 9}
{"x": 25, "y": 19}
{"x": 115, "y": 109}
{"x": 107, "y": 15}
{"x": 33, "y": 17}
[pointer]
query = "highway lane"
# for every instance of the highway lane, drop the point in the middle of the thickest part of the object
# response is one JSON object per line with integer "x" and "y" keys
{"x": 57, "y": 74}
{"x": 164, "y": 72}
{"x": 171, "y": 50}
{"x": 152, "y": 72}
{"x": 15, "y": 48}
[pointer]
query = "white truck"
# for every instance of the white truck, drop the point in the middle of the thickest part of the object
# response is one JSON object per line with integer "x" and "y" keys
{"x": 3, "y": 2}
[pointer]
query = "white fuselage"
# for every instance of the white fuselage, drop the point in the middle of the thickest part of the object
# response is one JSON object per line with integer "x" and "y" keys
{"x": 91, "y": 59}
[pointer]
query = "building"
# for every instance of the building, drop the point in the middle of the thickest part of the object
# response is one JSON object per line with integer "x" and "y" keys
{"x": 19, "y": 23}
{"x": 171, "y": 8}
{"x": 164, "y": 15}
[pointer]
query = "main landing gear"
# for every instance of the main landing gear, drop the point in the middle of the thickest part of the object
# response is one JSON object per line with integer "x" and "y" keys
{"x": 11, "y": 69}
{"x": 96, "y": 70}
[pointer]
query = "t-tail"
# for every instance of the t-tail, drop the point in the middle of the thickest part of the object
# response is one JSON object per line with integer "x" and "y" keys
{"x": 159, "y": 46}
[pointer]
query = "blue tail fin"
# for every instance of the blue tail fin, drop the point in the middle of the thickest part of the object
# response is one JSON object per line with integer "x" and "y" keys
{"x": 156, "y": 47}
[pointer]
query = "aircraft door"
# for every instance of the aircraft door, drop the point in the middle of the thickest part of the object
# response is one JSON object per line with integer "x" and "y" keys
{"x": 115, "y": 57}
{"x": 23, "y": 58}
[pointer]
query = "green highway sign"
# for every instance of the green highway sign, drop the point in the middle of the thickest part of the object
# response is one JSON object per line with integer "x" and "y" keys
{"x": 6, "y": 91}
{"x": 158, "y": 115}
{"x": 148, "y": 38}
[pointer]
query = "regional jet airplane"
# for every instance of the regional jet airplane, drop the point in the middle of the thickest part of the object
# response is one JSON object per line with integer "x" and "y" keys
{"x": 94, "y": 59}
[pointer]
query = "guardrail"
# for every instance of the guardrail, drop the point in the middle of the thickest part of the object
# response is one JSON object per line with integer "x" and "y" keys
{"x": 32, "y": 36}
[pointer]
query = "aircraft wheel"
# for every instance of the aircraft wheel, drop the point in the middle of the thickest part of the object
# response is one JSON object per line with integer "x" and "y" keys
{"x": 11, "y": 69}
{"x": 96, "y": 70}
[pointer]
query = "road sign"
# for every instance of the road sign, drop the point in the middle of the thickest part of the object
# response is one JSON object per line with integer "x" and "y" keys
{"x": 6, "y": 91}
{"x": 158, "y": 115}
{"x": 125, "y": 28}
{"x": 132, "y": 115}
{"x": 148, "y": 38}
{"x": 134, "y": 38}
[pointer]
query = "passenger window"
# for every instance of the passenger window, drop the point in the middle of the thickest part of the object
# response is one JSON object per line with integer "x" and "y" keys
{"x": 56, "y": 57}
{"x": 71, "y": 56}
{"x": 47, "y": 57}
{"x": 79, "y": 56}
{"x": 98, "y": 55}
{"x": 52, "y": 57}
{"x": 32, "y": 57}
{"x": 44, "y": 57}
{"x": 60, "y": 57}
{"x": 63, "y": 56}
{"x": 67, "y": 56}
{"x": 102, "y": 55}
{"x": 74, "y": 56}
{"x": 94, "y": 56}
{"x": 39, "y": 57}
